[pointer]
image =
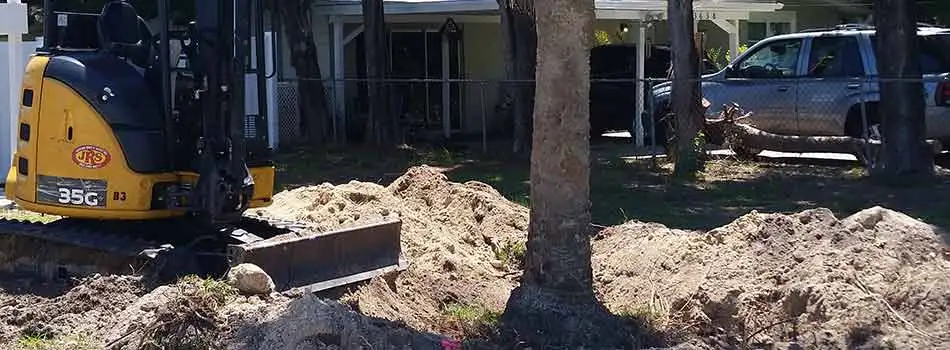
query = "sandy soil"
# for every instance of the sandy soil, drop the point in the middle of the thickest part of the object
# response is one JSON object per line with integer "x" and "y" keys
{"x": 877, "y": 278}
{"x": 455, "y": 237}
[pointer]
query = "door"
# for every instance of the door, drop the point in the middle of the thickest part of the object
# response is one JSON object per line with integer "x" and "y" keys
{"x": 419, "y": 60}
{"x": 832, "y": 83}
{"x": 763, "y": 83}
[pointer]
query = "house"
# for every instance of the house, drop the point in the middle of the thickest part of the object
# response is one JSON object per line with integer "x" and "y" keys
{"x": 452, "y": 81}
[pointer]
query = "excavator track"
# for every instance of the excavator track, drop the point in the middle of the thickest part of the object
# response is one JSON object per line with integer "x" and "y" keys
{"x": 294, "y": 254}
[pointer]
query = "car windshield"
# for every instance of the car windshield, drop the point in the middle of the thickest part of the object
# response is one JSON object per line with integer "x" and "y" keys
{"x": 934, "y": 52}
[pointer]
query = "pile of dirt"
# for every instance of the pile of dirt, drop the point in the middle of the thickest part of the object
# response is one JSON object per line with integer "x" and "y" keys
{"x": 209, "y": 314}
{"x": 83, "y": 312}
{"x": 878, "y": 278}
{"x": 463, "y": 242}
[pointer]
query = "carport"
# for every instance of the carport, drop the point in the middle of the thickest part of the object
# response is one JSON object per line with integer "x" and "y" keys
{"x": 640, "y": 14}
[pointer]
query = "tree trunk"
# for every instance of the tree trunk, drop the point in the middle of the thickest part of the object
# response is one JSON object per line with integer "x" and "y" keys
{"x": 904, "y": 152}
{"x": 312, "y": 104}
{"x": 519, "y": 32}
{"x": 380, "y": 124}
{"x": 555, "y": 303}
{"x": 689, "y": 153}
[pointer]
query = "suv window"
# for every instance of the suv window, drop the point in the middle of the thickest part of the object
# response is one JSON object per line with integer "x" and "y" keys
{"x": 777, "y": 59}
{"x": 835, "y": 57}
{"x": 934, "y": 52}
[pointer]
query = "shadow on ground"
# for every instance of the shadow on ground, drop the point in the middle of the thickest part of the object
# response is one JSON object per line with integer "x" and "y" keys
{"x": 627, "y": 185}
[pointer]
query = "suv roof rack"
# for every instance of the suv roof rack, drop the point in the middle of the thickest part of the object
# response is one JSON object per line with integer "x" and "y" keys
{"x": 862, "y": 26}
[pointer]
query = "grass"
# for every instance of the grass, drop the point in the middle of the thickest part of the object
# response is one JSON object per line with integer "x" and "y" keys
{"x": 471, "y": 321}
{"x": 38, "y": 342}
{"x": 512, "y": 254}
{"x": 624, "y": 188}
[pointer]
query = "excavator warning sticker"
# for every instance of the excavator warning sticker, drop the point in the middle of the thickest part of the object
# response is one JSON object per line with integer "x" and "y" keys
{"x": 69, "y": 191}
{"x": 91, "y": 157}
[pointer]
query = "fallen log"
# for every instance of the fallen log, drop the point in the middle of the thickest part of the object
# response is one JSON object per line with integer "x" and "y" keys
{"x": 733, "y": 130}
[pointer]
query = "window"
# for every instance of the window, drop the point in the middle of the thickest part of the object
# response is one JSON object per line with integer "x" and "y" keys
{"x": 758, "y": 30}
{"x": 835, "y": 57}
{"x": 778, "y": 59}
{"x": 934, "y": 50}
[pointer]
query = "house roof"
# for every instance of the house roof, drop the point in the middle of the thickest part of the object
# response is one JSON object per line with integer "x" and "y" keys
{"x": 354, "y": 7}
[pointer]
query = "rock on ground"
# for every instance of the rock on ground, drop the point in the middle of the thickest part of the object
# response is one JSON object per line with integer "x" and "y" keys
{"x": 250, "y": 279}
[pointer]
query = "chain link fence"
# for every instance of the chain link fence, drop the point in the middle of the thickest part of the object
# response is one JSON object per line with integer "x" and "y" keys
{"x": 793, "y": 115}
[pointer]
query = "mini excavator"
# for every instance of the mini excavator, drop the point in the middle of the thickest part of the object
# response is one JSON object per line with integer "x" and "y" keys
{"x": 150, "y": 164}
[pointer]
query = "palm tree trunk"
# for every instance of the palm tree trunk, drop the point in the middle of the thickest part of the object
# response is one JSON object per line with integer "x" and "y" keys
{"x": 520, "y": 42}
{"x": 904, "y": 151}
{"x": 555, "y": 303}
{"x": 314, "y": 109}
{"x": 689, "y": 153}
{"x": 381, "y": 124}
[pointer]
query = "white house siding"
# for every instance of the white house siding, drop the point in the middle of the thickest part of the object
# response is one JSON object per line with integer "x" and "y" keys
{"x": 483, "y": 57}
{"x": 484, "y": 65}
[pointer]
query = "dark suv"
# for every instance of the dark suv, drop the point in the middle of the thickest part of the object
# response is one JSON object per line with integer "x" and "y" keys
{"x": 613, "y": 104}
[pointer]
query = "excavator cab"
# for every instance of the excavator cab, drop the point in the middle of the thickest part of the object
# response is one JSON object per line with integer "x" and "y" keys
{"x": 114, "y": 130}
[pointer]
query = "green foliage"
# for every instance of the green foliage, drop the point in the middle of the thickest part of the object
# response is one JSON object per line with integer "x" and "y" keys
{"x": 42, "y": 342}
{"x": 192, "y": 319}
{"x": 512, "y": 254}
{"x": 601, "y": 38}
{"x": 722, "y": 57}
{"x": 471, "y": 320}
{"x": 438, "y": 157}
{"x": 691, "y": 161}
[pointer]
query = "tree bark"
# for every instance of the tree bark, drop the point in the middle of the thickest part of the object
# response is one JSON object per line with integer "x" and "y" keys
{"x": 519, "y": 31}
{"x": 312, "y": 102}
{"x": 904, "y": 151}
{"x": 555, "y": 303}
{"x": 381, "y": 125}
{"x": 688, "y": 153}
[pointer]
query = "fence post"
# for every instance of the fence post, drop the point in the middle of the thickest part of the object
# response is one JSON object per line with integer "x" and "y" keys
{"x": 864, "y": 125}
{"x": 650, "y": 115}
{"x": 481, "y": 96}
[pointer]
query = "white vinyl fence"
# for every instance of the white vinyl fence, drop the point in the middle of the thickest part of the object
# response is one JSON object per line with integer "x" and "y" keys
{"x": 8, "y": 121}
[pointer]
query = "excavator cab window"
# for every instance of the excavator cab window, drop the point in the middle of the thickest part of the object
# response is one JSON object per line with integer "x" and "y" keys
{"x": 76, "y": 31}
{"x": 123, "y": 33}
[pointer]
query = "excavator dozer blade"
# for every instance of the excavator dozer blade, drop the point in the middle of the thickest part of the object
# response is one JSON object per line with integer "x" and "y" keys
{"x": 324, "y": 260}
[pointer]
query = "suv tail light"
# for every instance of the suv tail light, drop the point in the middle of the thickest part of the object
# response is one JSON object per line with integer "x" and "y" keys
{"x": 942, "y": 95}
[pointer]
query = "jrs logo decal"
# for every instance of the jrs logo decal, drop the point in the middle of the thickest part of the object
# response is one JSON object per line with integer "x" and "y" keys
{"x": 91, "y": 157}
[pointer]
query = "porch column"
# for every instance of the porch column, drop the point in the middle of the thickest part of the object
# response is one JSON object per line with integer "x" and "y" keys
{"x": 731, "y": 27}
{"x": 641, "y": 66}
{"x": 734, "y": 39}
{"x": 339, "y": 71}
{"x": 446, "y": 90}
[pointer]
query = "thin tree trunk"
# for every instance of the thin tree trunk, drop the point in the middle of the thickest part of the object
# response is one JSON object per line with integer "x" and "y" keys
{"x": 381, "y": 124}
{"x": 686, "y": 104}
{"x": 520, "y": 42}
{"x": 904, "y": 152}
{"x": 313, "y": 105}
{"x": 555, "y": 303}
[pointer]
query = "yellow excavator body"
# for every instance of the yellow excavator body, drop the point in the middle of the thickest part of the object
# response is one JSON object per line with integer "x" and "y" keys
{"x": 143, "y": 170}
